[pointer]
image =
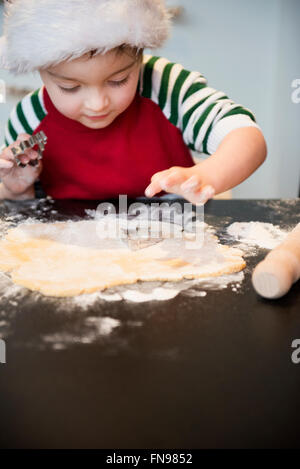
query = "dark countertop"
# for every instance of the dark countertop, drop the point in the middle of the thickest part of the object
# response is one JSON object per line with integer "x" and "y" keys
{"x": 190, "y": 372}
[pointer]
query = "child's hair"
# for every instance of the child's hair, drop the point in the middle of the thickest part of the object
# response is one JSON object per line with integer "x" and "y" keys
{"x": 123, "y": 49}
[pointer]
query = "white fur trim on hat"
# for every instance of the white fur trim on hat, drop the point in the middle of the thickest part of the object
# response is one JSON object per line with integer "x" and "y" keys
{"x": 40, "y": 33}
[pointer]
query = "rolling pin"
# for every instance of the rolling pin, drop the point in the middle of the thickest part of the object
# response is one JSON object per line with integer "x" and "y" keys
{"x": 274, "y": 276}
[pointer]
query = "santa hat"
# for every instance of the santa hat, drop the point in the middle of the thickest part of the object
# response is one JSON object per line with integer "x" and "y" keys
{"x": 40, "y": 33}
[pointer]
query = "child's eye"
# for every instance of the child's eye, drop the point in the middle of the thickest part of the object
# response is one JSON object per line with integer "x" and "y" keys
{"x": 69, "y": 90}
{"x": 120, "y": 82}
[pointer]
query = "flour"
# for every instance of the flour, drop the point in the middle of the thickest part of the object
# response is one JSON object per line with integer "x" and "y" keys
{"x": 159, "y": 294}
{"x": 9, "y": 290}
{"x": 195, "y": 293}
{"x": 10, "y": 296}
{"x": 87, "y": 300}
{"x": 104, "y": 325}
{"x": 161, "y": 291}
{"x": 280, "y": 206}
{"x": 264, "y": 235}
{"x": 95, "y": 329}
{"x": 144, "y": 293}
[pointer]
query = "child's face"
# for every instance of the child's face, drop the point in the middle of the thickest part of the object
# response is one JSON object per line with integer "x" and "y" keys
{"x": 102, "y": 87}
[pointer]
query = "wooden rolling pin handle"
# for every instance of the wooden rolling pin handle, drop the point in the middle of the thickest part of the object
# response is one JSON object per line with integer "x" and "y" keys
{"x": 274, "y": 276}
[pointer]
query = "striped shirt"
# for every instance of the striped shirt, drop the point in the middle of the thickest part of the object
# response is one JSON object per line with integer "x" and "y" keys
{"x": 204, "y": 115}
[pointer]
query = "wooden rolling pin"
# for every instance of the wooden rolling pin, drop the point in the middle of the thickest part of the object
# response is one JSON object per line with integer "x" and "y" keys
{"x": 274, "y": 276}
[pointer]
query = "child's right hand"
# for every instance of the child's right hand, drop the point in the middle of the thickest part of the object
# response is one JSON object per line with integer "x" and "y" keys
{"x": 18, "y": 181}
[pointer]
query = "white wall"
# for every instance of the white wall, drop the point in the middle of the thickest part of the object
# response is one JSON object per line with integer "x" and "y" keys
{"x": 286, "y": 117}
{"x": 247, "y": 49}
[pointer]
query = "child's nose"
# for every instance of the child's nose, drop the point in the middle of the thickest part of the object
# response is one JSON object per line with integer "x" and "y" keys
{"x": 97, "y": 102}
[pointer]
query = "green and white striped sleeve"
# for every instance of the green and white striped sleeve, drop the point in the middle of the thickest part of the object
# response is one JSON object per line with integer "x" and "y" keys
{"x": 25, "y": 117}
{"x": 204, "y": 115}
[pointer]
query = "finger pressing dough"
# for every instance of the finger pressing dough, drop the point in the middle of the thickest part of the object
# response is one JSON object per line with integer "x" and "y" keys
{"x": 70, "y": 258}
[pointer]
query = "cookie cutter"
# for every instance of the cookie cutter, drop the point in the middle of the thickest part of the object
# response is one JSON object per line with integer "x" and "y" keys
{"x": 131, "y": 238}
{"x": 39, "y": 139}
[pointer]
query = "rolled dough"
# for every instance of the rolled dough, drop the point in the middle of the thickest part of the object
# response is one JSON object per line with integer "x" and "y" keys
{"x": 70, "y": 258}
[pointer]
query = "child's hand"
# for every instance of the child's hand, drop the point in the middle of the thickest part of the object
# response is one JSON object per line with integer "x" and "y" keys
{"x": 187, "y": 182}
{"x": 18, "y": 181}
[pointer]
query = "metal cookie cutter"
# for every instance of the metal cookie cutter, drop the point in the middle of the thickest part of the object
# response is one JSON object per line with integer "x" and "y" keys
{"x": 39, "y": 139}
{"x": 136, "y": 242}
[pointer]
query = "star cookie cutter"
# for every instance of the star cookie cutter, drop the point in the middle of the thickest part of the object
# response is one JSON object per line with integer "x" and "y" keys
{"x": 39, "y": 139}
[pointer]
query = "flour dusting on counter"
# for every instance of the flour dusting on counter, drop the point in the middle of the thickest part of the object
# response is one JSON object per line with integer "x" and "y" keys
{"x": 161, "y": 291}
{"x": 95, "y": 329}
{"x": 254, "y": 233}
{"x": 156, "y": 294}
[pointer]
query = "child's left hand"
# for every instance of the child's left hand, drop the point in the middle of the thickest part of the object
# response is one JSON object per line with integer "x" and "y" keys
{"x": 186, "y": 182}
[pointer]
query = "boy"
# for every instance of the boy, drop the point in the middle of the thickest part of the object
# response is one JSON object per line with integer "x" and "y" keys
{"x": 117, "y": 121}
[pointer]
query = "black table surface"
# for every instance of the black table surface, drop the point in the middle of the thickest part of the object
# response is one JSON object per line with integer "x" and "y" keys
{"x": 189, "y": 372}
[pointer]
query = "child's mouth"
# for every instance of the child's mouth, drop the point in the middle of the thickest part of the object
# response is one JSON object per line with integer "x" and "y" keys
{"x": 97, "y": 117}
